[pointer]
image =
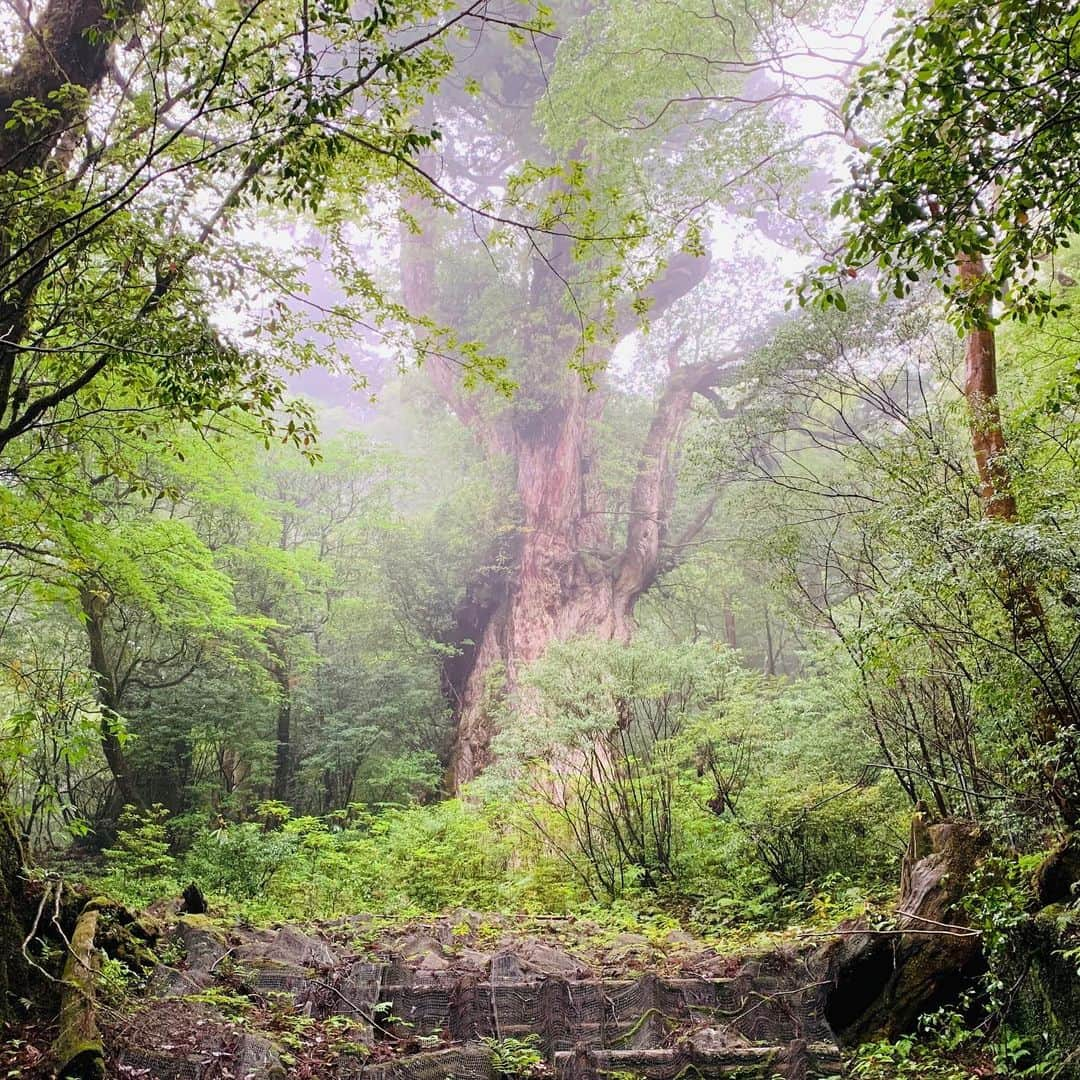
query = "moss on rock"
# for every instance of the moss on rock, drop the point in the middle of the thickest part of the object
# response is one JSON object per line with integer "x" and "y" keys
{"x": 1045, "y": 999}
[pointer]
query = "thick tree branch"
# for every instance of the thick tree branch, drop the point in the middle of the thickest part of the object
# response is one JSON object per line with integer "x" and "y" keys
{"x": 654, "y": 488}
{"x": 683, "y": 273}
{"x": 68, "y": 46}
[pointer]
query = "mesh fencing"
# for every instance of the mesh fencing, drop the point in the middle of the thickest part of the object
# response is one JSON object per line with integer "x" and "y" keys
{"x": 611, "y": 1014}
{"x": 769, "y": 1016}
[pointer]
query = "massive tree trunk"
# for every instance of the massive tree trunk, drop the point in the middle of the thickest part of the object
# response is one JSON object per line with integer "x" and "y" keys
{"x": 570, "y": 576}
{"x": 63, "y": 60}
{"x": 879, "y": 982}
{"x": 561, "y": 584}
{"x": 14, "y": 916}
{"x": 570, "y": 572}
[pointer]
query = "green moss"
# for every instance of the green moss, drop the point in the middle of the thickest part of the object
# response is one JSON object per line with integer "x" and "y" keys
{"x": 202, "y": 922}
{"x": 87, "y": 1063}
{"x": 1046, "y": 1000}
{"x": 14, "y": 971}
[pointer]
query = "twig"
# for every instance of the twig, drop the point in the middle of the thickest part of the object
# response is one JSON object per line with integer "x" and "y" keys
{"x": 227, "y": 952}
{"x": 33, "y": 933}
{"x": 887, "y": 933}
{"x": 360, "y": 1012}
{"x": 960, "y": 931}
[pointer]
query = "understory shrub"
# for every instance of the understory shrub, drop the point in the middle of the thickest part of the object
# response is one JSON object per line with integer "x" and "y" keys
{"x": 140, "y": 868}
{"x": 670, "y": 770}
{"x": 239, "y": 860}
{"x": 397, "y": 862}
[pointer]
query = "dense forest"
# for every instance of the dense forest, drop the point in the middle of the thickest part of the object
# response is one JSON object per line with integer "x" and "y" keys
{"x": 539, "y": 540}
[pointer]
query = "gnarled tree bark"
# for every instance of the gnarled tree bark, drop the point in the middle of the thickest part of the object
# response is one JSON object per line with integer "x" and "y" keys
{"x": 882, "y": 982}
{"x": 569, "y": 576}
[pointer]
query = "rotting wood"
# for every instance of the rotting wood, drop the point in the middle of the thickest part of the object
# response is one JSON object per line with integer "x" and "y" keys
{"x": 79, "y": 1048}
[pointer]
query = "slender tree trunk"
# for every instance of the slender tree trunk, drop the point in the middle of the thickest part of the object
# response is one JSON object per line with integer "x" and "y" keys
{"x": 770, "y": 651}
{"x": 731, "y": 637}
{"x": 991, "y": 458}
{"x": 996, "y": 491}
{"x": 108, "y": 698}
{"x": 283, "y": 755}
{"x": 981, "y": 393}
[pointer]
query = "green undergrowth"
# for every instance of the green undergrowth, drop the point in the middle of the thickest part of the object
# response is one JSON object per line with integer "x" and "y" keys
{"x": 404, "y": 865}
{"x": 948, "y": 1046}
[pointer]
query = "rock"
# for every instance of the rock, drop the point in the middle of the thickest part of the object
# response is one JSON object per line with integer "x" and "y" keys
{"x": 257, "y": 1058}
{"x": 547, "y": 960}
{"x": 579, "y": 1065}
{"x": 471, "y": 960}
{"x": 204, "y": 944}
{"x": 712, "y": 1039}
{"x": 506, "y": 966}
{"x": 460, "y": 917}
{"x": 432, "y": 964}
{"x": 294, "y": 946}
{"x": 417, "y": 946}
{"x": 287, "y": 947}
{"x": 681, "y": 939}
{"x": 167, "y": 981}
{"x": 623, "y": 946}
{"x": 470, "y": 1060}
{"x": 711, "y": 965}
{"x": 176, "y": 1038}
{"x": 629, "y": 941}
{"x": 1059, "y": 873}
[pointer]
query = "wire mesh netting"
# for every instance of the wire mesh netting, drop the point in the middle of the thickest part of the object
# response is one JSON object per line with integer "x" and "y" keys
{"x": 765, "y": 1019}
{"x": 637, "y": 1013}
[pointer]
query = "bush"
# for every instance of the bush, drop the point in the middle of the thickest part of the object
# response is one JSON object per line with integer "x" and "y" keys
{"x": 597, "y": 770}
{"x": 238, "y": 860}
{"x": 801, "y": 837}
{"x": 140, "y": 868}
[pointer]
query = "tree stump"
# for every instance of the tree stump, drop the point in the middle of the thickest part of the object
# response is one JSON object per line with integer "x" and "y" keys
{"x": 881, "y": 982}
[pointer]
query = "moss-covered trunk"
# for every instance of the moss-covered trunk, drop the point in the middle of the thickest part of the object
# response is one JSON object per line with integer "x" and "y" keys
{"x": 79, "y": 1049}
{"x": 14, "y": 971}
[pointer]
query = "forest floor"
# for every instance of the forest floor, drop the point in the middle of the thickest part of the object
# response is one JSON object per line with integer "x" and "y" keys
{"x": 467, "y": 996}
